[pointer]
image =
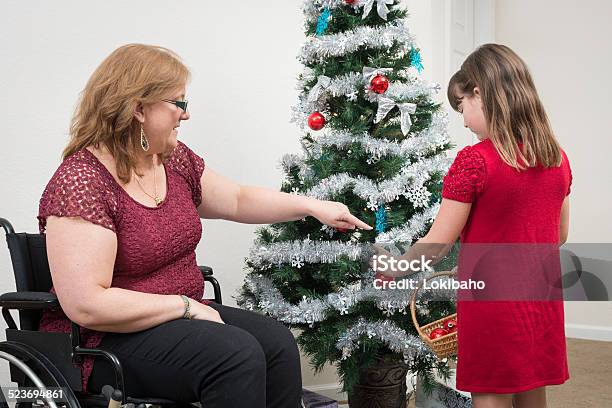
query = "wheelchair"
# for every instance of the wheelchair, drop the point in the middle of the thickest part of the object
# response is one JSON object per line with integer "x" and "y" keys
{"x": 43, "y": 361}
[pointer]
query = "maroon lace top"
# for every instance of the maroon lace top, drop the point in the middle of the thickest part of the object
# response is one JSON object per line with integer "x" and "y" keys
{"x": 155, "y": 245}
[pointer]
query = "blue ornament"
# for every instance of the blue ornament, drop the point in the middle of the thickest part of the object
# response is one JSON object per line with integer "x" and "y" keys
{"x": 323, "y": 21}
{"x": 415, "y": 60}
{"x": 381, "y": 220}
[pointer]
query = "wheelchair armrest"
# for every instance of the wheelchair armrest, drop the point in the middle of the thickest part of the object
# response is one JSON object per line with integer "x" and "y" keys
{"x": 206, "y": 270}
{"x": 29, "y": 301}
{"x": 79, "y": 351}
{"x": 207, "y": 273}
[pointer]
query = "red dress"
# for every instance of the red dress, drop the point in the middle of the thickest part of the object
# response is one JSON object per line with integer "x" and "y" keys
{"x": 155, "y": 246}
{"x": 508, "y": 346}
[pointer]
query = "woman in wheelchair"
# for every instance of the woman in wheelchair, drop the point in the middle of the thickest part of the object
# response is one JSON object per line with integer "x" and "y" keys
{"x": 122, "y": 220}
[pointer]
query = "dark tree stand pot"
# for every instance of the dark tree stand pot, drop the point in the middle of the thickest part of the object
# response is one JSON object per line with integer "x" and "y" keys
{"x": 382, "y": 385}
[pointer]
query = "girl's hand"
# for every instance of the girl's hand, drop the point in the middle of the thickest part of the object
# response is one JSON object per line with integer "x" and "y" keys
{"x": 336, "y": 215}
{"x": 203, "y": 312}
{"x": 387, "y": 268}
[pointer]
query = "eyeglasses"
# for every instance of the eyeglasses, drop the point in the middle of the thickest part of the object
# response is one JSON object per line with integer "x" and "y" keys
{"x": 180, "y": 104}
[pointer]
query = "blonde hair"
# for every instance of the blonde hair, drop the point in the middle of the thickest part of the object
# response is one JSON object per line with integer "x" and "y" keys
{"x": 132, "y": 74}
{"x": 511, "y": 105}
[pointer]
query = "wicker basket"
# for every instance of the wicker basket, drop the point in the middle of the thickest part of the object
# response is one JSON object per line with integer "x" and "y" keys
{"x": 444, "y": 346}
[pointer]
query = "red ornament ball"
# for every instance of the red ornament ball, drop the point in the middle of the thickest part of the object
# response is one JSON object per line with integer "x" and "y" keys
{"x": 316, "y": 121}
{"x": 379, "y": 84}
{"x": 350, "y": 2}
{"x": 342, "y": 230}
{"x": 450, "y": 325}
{"x": 437, "y": 333}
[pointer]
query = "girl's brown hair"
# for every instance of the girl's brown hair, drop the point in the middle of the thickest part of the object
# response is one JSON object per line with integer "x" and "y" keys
{"x": 512, "y": 107}
{"x": 132, "y": 74}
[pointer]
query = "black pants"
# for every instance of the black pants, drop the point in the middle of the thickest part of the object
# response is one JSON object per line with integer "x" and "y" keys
{"x": 251, "y": 361}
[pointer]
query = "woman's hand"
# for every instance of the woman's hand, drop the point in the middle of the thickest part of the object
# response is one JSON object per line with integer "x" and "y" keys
{"x": 203, "y": 312}
{"x": 336, "y": 215}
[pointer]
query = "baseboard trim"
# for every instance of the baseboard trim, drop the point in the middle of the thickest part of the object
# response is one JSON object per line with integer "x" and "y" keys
{"x": 588, "y": 332}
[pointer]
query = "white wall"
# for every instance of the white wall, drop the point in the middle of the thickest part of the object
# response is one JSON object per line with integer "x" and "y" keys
{"x": 567, "y": 47}
{"x": 243, "y": 59}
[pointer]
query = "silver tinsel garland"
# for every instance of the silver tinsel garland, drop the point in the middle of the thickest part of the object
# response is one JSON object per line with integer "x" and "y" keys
{"x": 304, "y": 251}
{"x": 309, "y": 251}
{"x": 270, "y": 301}
{"x": 310, "y": 311}
{"x": 340, "y": 85}
{"x": 312, "y": 8}
{"x": 290, "y": 161}
{"x": 411, "y": 176}
{"x": 412, "y": 229}
{"x": 406, "y": 92}
{"x": 335, "y": 45}
{"x": 354, "y": 82}
{"x": 350, "y": 85}
{"x": 390, "y": 301}
{"x": 387, "y": 332}
{"x": 421, "y": 143}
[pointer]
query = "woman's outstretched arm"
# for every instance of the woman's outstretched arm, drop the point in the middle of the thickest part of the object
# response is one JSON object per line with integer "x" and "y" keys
{"x": 225, "y": 199}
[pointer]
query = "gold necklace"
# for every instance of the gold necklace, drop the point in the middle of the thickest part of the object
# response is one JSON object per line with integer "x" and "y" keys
{"x": 156, "y": 198}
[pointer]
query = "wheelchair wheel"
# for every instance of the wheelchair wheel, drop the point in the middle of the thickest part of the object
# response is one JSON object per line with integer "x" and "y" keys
{"x": 48, "y": 386}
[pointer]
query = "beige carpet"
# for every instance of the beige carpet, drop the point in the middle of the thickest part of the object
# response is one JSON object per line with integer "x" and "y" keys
{"x": 590, "y": 383}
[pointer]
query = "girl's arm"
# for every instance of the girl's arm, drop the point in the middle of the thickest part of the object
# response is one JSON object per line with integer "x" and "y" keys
{"x": 564, "y": 221}
{"x": 441, "y": 237}
{"x": 225, "y": 199}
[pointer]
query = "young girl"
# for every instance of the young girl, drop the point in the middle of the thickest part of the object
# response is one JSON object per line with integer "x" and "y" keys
{"x": 511, "y": 187}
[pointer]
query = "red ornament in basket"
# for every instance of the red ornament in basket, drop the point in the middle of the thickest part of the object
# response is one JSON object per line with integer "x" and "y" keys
{"x": 450, "y": 325}
{"x": 441, "y": 335}
{"x": 437, "y": 333}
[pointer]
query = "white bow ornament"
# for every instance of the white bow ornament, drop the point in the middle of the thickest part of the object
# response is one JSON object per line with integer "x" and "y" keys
{"x": 406, "y": 109}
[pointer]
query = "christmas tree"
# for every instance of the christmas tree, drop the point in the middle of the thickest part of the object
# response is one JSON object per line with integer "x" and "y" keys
{"x": 374, "y": 138}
